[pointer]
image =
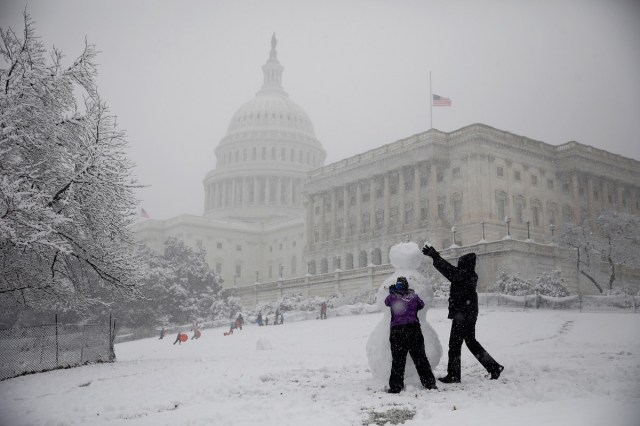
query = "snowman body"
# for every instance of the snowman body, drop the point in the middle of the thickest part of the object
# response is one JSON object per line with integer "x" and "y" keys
{"x": 405, "y": 258}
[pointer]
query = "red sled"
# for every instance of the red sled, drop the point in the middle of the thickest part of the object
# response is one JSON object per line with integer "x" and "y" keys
{"x": 183, "y": 337}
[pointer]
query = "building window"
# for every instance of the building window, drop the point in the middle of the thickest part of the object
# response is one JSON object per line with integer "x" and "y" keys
{"x": 238, "y": 271}
{"x": 199, "y": 244}
{"x": 501, "y": 205}
{"x": 535, "y": 213}
{"x": 516, "y": 175}
{"x": 218, "y": 267}
{"x": 457, "y": 207}
{"x": 441, "y": 211}
{"x": 238, "y": 247}
{"x": 500, "y": 172}
{"x": 534, "y": 180}
{"x": 440, "y": 176}
{"x": 549, "y": 183}
{"x": 456, "y": 172}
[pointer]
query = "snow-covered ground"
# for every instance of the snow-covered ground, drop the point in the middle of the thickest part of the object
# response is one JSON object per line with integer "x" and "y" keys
{"x": 562, "y": 368}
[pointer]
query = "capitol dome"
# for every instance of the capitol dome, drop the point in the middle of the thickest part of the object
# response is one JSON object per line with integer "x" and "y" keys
{"x": 263, "y": 159}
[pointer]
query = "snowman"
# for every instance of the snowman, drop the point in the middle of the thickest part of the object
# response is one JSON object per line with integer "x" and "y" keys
{"x": 405, "y": 258}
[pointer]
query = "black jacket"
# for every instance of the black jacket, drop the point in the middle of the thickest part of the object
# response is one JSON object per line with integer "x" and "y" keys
{"x": 463, "y": 299}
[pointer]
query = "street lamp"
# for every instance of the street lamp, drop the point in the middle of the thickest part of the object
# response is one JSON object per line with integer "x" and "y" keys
{"x": 281, "y": 267}
{"x": 453, "y": 231}
{"x": 482, "y": 224}
{"x": 257, "y": 280}
{"x": 528, "y": 233}
{"x": 507, "y": 219}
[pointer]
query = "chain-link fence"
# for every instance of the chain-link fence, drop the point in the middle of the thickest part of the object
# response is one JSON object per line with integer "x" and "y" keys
{"x": 47, "y": 347}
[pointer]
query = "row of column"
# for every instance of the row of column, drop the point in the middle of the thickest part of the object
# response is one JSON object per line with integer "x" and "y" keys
{"x": 256, "y": 190}
{"x": 357, "y": 210}
{"x": 606, "y": 186}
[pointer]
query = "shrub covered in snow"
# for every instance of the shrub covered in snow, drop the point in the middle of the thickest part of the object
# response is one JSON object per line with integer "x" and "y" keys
{"x": 551, "y": 284}
{"x": 512, "y": 284}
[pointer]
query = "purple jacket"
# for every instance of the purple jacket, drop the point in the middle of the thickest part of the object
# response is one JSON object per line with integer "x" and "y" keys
{"x": 404, "y": 308}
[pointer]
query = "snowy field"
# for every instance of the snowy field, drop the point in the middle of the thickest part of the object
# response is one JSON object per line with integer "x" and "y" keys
{"x": 562, "y": 368}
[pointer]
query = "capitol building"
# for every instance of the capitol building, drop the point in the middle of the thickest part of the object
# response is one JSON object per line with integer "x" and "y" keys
{"x": 276, "y": 219}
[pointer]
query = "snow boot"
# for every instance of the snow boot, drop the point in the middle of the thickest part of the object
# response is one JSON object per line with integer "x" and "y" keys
{"x": 495, "y": 374}
{"x": 450, "y": 379}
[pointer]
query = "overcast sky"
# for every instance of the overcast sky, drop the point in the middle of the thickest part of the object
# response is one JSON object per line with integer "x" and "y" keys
{"x": 175, "y": 72}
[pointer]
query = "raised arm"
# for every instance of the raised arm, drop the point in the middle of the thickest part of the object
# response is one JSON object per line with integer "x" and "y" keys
{"x": 445, "y": 268}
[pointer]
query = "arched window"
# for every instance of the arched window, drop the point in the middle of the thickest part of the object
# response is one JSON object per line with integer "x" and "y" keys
{"x": 376, "y": 256}
{"x": 349, "y": 261}
{"x": 362, "y": 259}
{"x": 336, "y": 263}
{"x": 311, "y": 267}
{"x": 324, "y": 266}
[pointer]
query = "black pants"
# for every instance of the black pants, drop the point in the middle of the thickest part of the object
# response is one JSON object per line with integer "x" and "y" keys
{"x": 408, "y": 339}
{"x": 465, "y": 330}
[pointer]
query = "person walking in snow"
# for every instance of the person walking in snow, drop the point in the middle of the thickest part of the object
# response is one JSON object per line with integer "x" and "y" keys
{"x": 196, "y": 331}
{"x": 406, "y": 336}
{"x": 323, "y": 310}
{"x": 163, "y": 332}
{"x": 463, "y": 310}
{"x": 239, "y": 321}
{"x": 259, "y": 319}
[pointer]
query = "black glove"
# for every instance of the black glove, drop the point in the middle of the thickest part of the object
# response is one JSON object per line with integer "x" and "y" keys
{"x": 392, "y": 289}
{"x": 429, "y": 251}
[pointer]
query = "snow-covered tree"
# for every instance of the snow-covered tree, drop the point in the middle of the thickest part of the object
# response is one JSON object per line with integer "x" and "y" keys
{"x": 614, "y": 239}
{"x": 179, "y": 284}
{"x": 512, "y": 284}
{"x": 66, "y": 189}
{"x": 551, "y": 284}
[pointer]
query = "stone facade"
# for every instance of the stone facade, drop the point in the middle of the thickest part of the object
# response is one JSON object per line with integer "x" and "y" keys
{"x": 477, "y": 184}
{"x": 276, "y": 220}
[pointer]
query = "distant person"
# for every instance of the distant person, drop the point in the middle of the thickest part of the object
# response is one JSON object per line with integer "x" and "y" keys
{"x": 277, "y": 316}
{"x": 196, "y": 331}
{"x": 266, "y": 320}
{"x": 239, "y": 321}
{"x": 406, "y": 336}
{"x": 463, "y": 310}
{"x": 163, "y": 332}
{"x": 323, "y": 310}
{"x": 281, "y": 318}
{"x": 181, "y": 337}
{"x": 232, "y": 326}
{"x": 259, "y": 319}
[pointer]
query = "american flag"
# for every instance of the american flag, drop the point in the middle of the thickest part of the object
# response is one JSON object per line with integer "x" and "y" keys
{"x": 441, "y": 101}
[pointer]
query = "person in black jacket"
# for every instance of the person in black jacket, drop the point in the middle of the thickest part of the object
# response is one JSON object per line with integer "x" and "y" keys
{"x": 463, "y": 310}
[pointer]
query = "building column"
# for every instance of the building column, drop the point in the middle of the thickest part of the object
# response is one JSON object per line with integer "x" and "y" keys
{"x": 387, "y": 202}
{"x": 321, "y": 199}
{"x": 605, "y": 195}
{"x": 279, "y": 182}
{"x": 245, "y": 192}
{"x": 334, "y": 213}
{"x": 416, "y": 196}
{"x": 433, "y": 193}
{"x": 345, "y": 206}
{"x": 575, "y": 193}
{"x": 233, "y": 192}
{"x": 358, "y": 207}
{"x": 401, "y": 206}
{"x": 590, "y": 206}
{"x": 620, "y": 197}
{"x": 372, "y": 204}
{"x": 207, "y": 198}
{"x": 267, "y": 191}
{"x": 310, "y": 213}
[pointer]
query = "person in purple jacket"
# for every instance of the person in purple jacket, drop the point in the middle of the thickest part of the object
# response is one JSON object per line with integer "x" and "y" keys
{"x": 406, "y": 336}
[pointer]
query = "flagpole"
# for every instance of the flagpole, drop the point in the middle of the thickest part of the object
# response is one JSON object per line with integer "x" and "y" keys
{"x": 430, "y": 103}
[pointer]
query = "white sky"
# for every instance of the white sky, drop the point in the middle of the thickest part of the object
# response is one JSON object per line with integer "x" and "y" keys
{"x": 175, "y": 72}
